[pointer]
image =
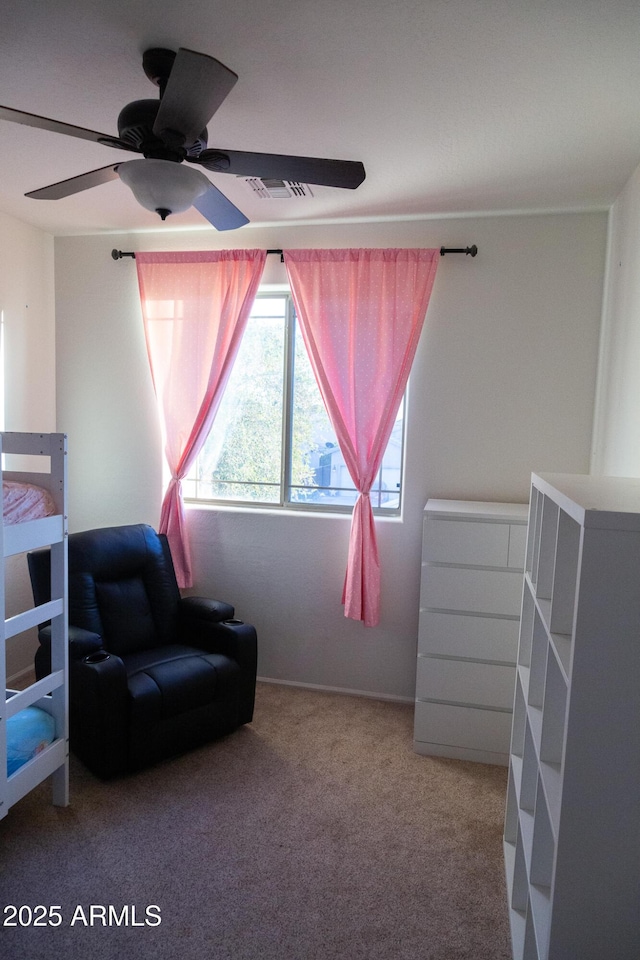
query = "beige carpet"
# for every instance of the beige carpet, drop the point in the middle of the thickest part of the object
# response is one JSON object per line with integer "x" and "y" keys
{"x": 316, "y": 832}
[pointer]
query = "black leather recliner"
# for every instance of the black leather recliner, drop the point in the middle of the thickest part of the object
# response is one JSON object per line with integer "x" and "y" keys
{"x": 151, "y": 674}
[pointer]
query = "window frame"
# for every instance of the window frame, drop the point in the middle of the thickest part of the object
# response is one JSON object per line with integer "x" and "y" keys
{"x": 285, "y": 503}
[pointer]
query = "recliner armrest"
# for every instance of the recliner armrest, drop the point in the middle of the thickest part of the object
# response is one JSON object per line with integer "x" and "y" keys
{"x": 210, "y": 625}
{"x": 81, "y": 642}
{"x": 200, "y": 611}
{"x": 238, "y": 641}
{"x": 98, "y": 705}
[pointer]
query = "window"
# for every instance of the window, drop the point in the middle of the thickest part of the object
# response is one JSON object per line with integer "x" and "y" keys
{"x": 272, "y": 442}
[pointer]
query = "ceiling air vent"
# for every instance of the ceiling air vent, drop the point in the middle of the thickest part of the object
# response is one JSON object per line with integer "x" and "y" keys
{"x": 270, "y": 189}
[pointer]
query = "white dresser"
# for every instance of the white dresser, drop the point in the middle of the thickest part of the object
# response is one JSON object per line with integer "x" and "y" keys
{"x": 470, "y": 598}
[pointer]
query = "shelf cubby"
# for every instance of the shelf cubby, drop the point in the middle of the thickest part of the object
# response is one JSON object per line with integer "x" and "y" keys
{"x": 543, "y": 847}
{"x": 534, "y": 526}
{"x": 526, "y": 627}
{"x": 553, "y": 715}
{"x": 520, "y": 885}
{"x": 547, "y": 549}
{"x": 539, "y": 648}
{"x": 540, "y": 914}
{"x": 529, "y": 782}
{"x": 565, "y": 575}
{"x": 561, "y": 646}
{"x": 511, "y": 817}
{"x": 530, "y": 946}
{"x": 519, "y": 719}
{"x": 530, "y": 546}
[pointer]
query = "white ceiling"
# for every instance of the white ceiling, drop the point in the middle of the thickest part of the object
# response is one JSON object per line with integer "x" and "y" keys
{"x": 452, "y": 105}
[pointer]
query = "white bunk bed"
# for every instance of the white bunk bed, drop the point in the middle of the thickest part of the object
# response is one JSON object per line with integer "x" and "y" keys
{"x": 51, "y": 693}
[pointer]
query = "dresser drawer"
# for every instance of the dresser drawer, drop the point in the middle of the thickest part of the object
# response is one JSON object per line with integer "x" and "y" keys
{"x": 453, "y": 726}
{"x": 466, "y": 541}
{"x": 517, "y": 545}
{"x": 471, "y": 590}
{"x": 465, "y": 681}
{"x": 465, "y": 635}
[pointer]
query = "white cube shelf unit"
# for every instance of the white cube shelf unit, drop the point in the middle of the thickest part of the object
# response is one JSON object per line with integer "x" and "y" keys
{"x": 470, "y": 598}
{"x": 572, "y": 826}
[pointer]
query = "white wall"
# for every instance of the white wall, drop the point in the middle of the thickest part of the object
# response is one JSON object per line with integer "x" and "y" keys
{"x": 503, "y": 384}
{"x": 27, "y": 303}
{"x": 616, "y": 441}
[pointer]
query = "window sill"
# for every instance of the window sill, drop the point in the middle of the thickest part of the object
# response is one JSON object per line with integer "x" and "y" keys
{"x": 193, "y": 506}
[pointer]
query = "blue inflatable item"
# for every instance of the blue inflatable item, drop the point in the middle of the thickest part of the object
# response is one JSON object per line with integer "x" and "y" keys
{"x": 28, "y": 732}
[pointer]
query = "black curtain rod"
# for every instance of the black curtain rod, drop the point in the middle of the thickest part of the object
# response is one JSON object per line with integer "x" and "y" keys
{"x": 470, "y": 251}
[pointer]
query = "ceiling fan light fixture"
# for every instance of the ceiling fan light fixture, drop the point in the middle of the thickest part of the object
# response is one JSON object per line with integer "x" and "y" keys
{"x": 163, "y": 186}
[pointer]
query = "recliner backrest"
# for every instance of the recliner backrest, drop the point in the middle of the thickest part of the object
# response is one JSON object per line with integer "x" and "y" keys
{"x": 122, "y": 585}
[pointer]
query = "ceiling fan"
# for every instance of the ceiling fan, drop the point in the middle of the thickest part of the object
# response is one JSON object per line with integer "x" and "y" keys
{"x": 171, "y": 130}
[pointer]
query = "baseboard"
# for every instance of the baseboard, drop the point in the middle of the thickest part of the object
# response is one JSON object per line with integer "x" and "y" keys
{"x": 461, "y": 753}
{"x": 321, "y": 688}
{"x": 28, "y": 672}
{"x": 17, "y": 678}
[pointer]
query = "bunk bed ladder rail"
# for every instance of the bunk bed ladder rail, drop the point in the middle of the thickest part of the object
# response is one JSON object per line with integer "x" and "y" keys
{"x": 50, "y": 693}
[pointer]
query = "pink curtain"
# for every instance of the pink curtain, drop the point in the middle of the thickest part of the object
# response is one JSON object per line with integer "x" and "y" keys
{"x": 195, "y": 308}
{"x": 361, "y": 314}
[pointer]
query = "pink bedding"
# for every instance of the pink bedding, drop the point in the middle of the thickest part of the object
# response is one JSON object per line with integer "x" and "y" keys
{"x": 25, "y": 501}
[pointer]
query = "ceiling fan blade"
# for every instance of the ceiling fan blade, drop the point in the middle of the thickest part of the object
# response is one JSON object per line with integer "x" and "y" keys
{"x": 46, "y": 123}
{"x": 219, "y": 211}
{"x": 329, "y": 173}
{"x": 65, "y": 188}
{"x": 196, "y": 87}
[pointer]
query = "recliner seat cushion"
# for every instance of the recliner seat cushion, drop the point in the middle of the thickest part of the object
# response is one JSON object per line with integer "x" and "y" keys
{"x": 172, "y": 680}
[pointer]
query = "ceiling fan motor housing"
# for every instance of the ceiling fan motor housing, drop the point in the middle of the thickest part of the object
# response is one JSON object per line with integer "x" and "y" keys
{"x": 135, "y": 126}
